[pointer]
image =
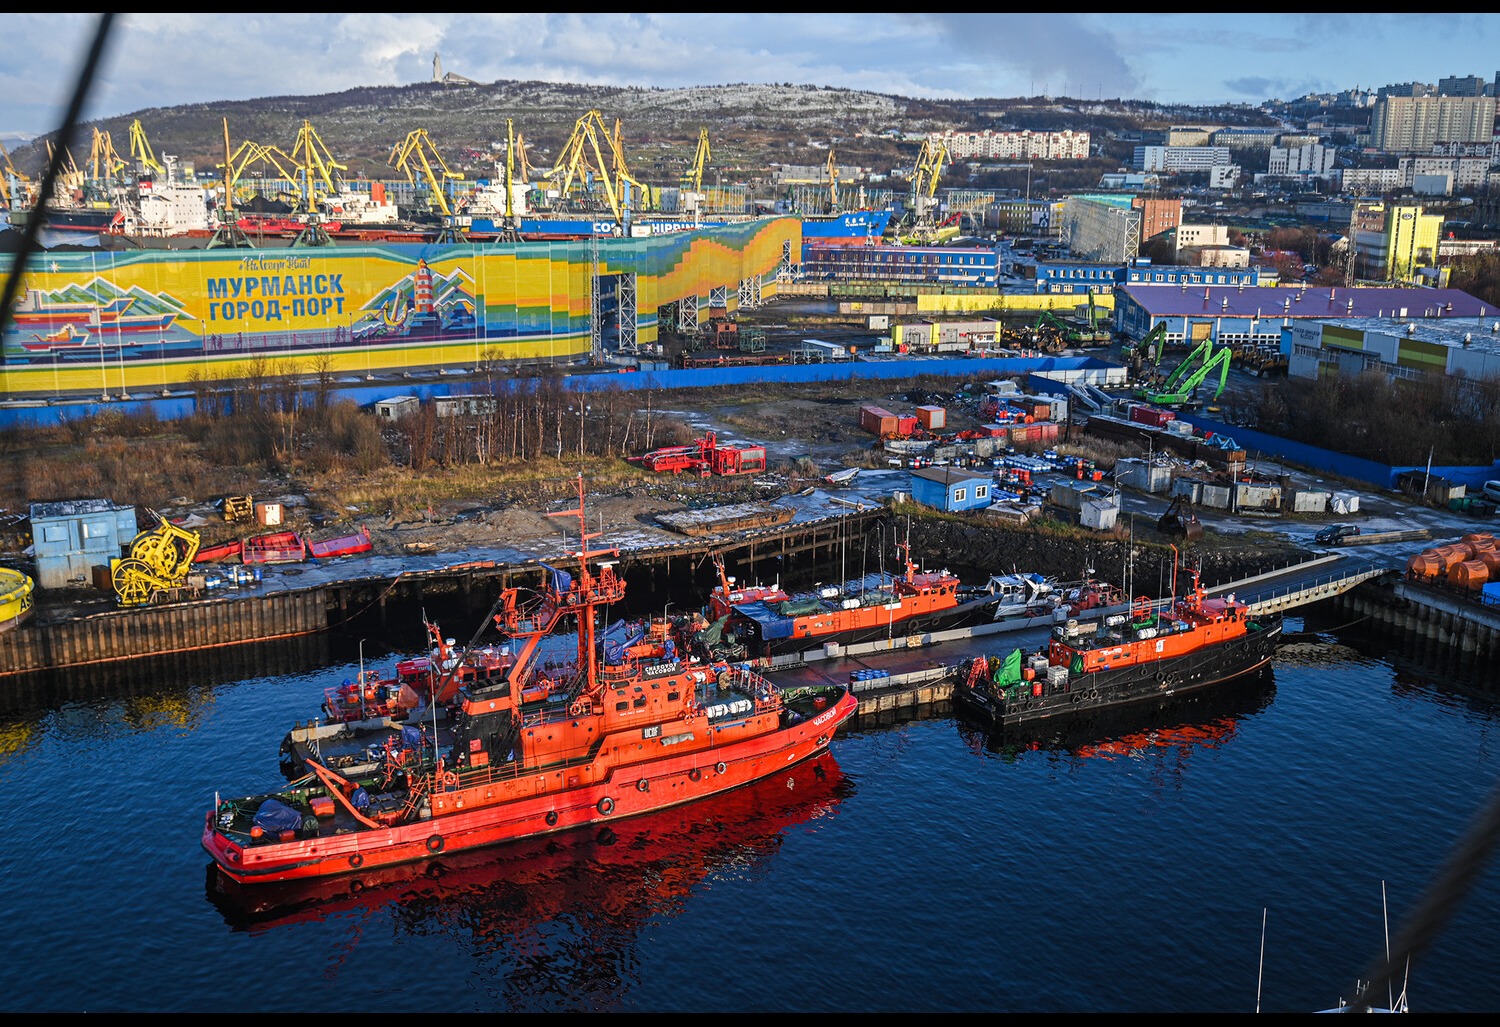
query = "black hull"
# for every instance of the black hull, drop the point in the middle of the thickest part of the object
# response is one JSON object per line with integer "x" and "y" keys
{"x": 966, "y": 615}
{"x": 1162, "y": 679}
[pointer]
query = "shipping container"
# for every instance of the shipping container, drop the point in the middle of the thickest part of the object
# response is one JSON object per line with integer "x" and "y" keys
{"x": 906, "y": 424}
{"x": 932, "y": 418}
{"x": 1154, "y": 416}
{"x": 878, "y": 420}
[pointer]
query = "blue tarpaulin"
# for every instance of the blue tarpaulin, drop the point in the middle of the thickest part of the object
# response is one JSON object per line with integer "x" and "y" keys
{"x": 273, "y": 817}
{"x": 561, "y": 580}
{"x": 411, "y": 737}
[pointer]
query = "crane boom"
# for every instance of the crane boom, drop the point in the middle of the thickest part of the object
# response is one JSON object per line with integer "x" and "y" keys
{"x": 140, "y": 148}
{"x": 413, "y": 153}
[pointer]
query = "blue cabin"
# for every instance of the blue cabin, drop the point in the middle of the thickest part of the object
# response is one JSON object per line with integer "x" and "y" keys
{"x": 74, "y": 536}
{"x": 950, "y": 489}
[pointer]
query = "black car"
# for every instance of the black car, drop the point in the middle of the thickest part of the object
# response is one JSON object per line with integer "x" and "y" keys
{"x": 1336, "y": 533}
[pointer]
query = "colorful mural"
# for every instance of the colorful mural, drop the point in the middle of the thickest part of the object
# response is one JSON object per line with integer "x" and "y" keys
{"x": 157, "y": 318}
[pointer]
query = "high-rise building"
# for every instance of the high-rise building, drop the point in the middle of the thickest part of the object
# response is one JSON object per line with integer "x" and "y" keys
{"x": 1413, "y": 124}
{"x": 1463, "y": 85}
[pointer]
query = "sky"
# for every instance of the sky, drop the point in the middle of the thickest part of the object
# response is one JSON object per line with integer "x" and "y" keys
{"x": 163, "y": 60}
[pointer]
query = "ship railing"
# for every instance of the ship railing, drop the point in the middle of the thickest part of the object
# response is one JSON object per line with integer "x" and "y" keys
{"x": 746, "y": 681}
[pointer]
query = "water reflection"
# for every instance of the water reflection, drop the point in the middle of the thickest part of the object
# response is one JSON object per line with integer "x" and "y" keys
{"x": 555, "y": 919}
{"x": 154, "y": 678}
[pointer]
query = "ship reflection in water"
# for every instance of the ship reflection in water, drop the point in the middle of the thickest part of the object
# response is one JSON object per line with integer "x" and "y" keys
{"x": 1202, "y": 720}
{"x": 527, "y": 901}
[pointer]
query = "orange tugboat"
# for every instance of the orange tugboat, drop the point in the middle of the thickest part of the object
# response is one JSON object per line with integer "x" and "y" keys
{"x": 630, "y": 730}
{"x": 763, "y": 622}
{"x": 1147, "y": 654}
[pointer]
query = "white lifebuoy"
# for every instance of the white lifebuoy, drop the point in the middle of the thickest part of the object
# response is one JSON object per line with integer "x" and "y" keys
{"x": 719, "y": 768}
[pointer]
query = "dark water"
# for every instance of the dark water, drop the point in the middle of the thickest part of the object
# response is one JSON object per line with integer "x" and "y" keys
{"x": 1118, "y": 866}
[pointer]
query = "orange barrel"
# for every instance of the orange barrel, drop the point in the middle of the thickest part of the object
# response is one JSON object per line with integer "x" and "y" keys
{"x": 1470, "y": 574}
{"x": 1491, "y": 560}
{"x": 1479, "y": 537}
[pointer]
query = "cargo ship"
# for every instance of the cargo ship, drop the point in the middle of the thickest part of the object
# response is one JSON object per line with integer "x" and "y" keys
{"x": 763, "y": 622}
{"x": 628, "y": 730}
{"x": 1147, "y": 654}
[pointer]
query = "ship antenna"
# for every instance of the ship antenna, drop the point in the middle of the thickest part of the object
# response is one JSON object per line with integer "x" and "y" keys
{"x": 1261, "y": 974}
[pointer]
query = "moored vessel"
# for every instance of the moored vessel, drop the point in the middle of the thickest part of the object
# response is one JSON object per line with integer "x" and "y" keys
{"x": 626, "y": 730}
{"x": 1150, "y": 653}
{"x": 764, "y": 622}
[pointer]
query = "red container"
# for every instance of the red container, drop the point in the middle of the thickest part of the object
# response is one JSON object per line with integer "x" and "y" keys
{"x": 906, "y": 424}
{"x": 1036, "y": 687}
{"x": 1154, "y": 416}
{"x": 878, "y": 420}
{"x": 322, "y": 806}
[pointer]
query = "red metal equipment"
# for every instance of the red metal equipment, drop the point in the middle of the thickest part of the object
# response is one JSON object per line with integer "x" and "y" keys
{"x": 704, "y": 457}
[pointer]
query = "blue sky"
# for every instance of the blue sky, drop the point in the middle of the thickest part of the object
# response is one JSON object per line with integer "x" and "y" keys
{"x": 162, "y": 60}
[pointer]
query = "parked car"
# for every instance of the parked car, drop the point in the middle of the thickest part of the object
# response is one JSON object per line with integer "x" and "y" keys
{"x": 1336, "y": 533}
{"x": 1491, "y": 490}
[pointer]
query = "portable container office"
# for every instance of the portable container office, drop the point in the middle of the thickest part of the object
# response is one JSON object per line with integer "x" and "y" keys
{"x": 932, "y": 418}
{"x": 70, "y": 538}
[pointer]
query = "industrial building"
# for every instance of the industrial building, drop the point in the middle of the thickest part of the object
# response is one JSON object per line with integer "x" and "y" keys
{"x": 950, "y": 489}
{"x": 1452, "y": 346}
{"x": 948, "y": 265}
{"x": 1237, "y": 316}
{"x": 1144, "y": 272}
{"x": 208, "y": 315}
{"x": 1102, "y": 227}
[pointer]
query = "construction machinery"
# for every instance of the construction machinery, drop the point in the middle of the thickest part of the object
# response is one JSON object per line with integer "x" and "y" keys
{"x": 1180, "y": 521}
{"x": 1180, "y": 386}
{"x": 1148, "y": 348}
{"x": 159, "y": 561}
{"x": 1086, "y": 327}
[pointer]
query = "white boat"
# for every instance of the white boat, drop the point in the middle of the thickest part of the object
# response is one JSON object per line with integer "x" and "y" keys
{"x": 843, "y": 477}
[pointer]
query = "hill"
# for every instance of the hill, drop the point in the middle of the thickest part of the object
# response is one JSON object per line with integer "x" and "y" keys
{"x": 750, "y": 126}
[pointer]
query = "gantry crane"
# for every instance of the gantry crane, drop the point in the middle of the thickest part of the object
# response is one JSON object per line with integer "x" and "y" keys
{"x": 140, "y": 148}
{"x": 417, "y": 153}
{"x": 583, "y": 157}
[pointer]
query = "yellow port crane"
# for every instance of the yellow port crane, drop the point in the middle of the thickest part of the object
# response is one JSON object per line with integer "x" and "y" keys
{"x": 9, "y": 172}
{"x": 104, "y": 161}
{"x": 832, "y": 168}
{"x": 582, "y": 157}
{"x": 693, "y": 178}
{"x": 315, "y": 166}
{"x": 926, "y": 172}
{"x": 140, "y": 148}
{"x": 417, "y": 150}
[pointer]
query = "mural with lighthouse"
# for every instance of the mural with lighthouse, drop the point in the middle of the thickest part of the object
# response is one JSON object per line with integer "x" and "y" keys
{"x": 423, "y": 305}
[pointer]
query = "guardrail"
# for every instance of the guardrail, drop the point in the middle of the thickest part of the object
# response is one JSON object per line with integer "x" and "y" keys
{"x": 1302, "y": 593}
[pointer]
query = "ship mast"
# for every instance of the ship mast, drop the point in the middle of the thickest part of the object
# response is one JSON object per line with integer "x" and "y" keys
{"x": 589, "y": 592}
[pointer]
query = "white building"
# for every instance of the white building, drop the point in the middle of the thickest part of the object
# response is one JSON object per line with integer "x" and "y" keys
{"x": 1022, "y": 145}
{"x": 1180, "y": 158}
{"x": 1314, "y": 159}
